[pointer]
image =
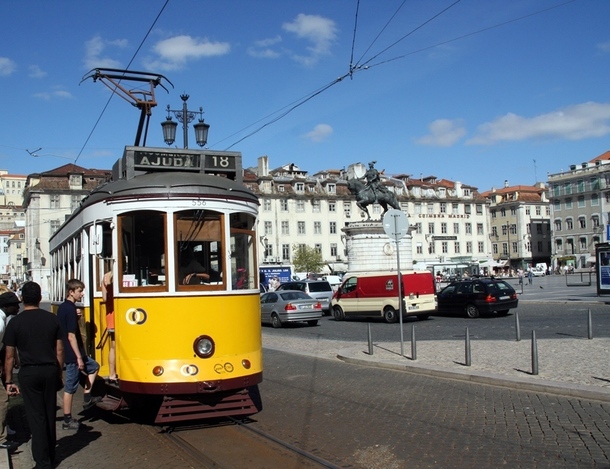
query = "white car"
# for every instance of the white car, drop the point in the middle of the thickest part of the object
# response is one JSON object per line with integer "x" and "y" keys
{"x": 538, "y": 272}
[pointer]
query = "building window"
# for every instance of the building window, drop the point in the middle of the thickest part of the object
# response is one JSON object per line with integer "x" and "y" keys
{"x": 333, "y": 227}
{"x": 332, "y": 206}
{"x": 557, "y": 225}
{"x": 418, "y": 228}
{"x": 513, "y": 211}
{"x": 505, "y": 249}
{"x": 557, "y": 205}
{"x": 456, "y": 247}
{"x": 285, "y": 228}
{"x": 280, "y": 188}
{"x": 267, "y": 205}
{"x": 301, "y": 227}
{"x": 455, "y": 209}
{"x": 594, "y": 200}
{"x": 482, "y": 247}
{"x": 55, "y": 224}
{"x": 315, "y": 206}
{"x": 419, "y": 248}
{"x": 568, "y": 203}
{"x": 502, "y": 212}
{"x": 443, "y": 207}
{"x": 318, "y": 248}
{"x": 54, "y": 201}
{"x": 494, "y": 231}
{"x": 480, "y": 228}
{"x": 583, "y": 243}
{"x": 431, "y": 228}
{"x": 331, "y": 188}
{"x": 268, "y": 228}
{"x": 286, "y": 252}
{"x": 528, "y": 210}
{"x": 445, "y": 247}
{"x": 569, "y": 224}
{"x": 468, "y": 228}
{"x": 347, "y": 209}
{"x": 283, "y": 205}
{"x": 333, "y": 249}
{"x": 417, "y": 208}
{"x": 469, "y": 247}
{"x": 456, "y": 228}
{"x": 444, "y": 228}
{"x": 494, "y": 248}
{"x": 430, "y": 207}
{"x": 479, "y": 209}
{"x": 582, "y": 222}
{"x": 581, "y": 185}
{"x": 538, "y": 212}
{"x": 300, "y": 187}
{"x": 581, "y": 201}
{"x": 468, "y": 210}
{"x": 300, "y": 206}
{"x": 515, "y": 246}
{"x": 595, "y": 221}
{"x": 317, "y": 227}
{"x": 431, "y": 248}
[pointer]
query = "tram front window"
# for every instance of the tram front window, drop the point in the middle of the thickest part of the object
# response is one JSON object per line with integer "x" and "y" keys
{"x": 142, "y": 247}
{"x": 199, "y": 249}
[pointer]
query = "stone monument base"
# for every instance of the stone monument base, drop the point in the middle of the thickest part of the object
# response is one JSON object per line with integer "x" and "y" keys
{"x": 369, "y": 249}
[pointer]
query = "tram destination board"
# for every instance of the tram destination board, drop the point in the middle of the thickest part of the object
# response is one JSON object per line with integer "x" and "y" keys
{"x": 139, "y": 160}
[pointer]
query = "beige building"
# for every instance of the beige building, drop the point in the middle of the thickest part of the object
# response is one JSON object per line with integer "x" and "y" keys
{"x": 520, "y": 225}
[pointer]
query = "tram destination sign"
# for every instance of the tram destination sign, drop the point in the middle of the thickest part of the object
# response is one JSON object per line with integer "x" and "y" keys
{"x": 138, "y": 160}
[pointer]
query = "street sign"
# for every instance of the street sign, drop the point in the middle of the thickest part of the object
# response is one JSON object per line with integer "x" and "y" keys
{"x": 395, "y": 224}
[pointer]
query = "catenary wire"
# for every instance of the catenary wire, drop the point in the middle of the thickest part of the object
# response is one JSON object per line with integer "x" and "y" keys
{"x": 112, "y": 94}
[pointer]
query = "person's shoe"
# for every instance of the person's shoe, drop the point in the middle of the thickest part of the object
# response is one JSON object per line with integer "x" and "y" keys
{"x": 10, "y": 431}
{"x": 71, "y": 425}
{"x": 90, "y": 403}
{"x": 9, "y": 445}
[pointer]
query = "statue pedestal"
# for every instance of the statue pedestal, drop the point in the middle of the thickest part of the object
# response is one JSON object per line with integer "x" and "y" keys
{"x": 369, "y": 249}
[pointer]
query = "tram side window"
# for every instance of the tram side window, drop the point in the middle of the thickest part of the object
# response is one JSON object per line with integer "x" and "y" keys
{"x": 244, "y": 269}
{"x": 142, "y": 246}
{"x": 199, "y": 252}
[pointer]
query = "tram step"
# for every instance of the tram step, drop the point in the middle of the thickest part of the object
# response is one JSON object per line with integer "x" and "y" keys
{"x": 111, "y": 403}
{"x": 235, "y": 404}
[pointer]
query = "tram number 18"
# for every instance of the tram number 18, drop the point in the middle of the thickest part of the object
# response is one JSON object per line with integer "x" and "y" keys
{"x": 218, "y": 161}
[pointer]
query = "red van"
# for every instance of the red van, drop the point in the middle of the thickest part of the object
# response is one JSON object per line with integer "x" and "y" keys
{"x": 375, "y": 294}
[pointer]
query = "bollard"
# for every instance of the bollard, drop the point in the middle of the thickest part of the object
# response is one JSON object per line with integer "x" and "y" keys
{"x": 517, "y": 327}
{"x": 590, "y": 325}
{"x": 468, "y": 354}
{"x": 370, "y": 341}
{"x": 413, "y": 344}
{"x": 534, "y": 354}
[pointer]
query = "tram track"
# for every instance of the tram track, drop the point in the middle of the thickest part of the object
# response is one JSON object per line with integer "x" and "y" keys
{"x": 236, "y": 443}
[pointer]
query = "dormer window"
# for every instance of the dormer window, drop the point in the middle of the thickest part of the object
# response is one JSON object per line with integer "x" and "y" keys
{"x": 331, "y": 188}
{"x": 300, "y": 187}
{"x": 280, "y": 187}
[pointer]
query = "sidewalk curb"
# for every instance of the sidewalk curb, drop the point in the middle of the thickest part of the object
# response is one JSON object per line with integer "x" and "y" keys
{"x": 545, "y": 386}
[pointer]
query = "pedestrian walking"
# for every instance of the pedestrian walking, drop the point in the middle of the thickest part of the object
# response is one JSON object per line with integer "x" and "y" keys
{"x": 36, "y": 335}
{"x": 9, "y": 306}
{"x": 530, "y": 276}
{"x": 76, "y": 359}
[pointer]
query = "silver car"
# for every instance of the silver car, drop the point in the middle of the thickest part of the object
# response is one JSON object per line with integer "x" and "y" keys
{"x": 318, "y": 289}
{"x": 279, "y": 307}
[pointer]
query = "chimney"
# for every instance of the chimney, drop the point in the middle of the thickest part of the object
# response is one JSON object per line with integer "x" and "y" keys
{"x": 505, "y": 182}
{"x": 263, "y": 166}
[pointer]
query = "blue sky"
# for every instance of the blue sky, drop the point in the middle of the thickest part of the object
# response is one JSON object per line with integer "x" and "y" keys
{"x": 477, "y": 91}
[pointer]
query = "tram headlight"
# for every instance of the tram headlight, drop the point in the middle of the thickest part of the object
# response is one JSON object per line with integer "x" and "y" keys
{"x": 204, "y": 346}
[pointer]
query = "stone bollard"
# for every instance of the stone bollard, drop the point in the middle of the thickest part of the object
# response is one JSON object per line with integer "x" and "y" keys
{"x": 468, "y": 353}
{"x": 413, "y": 344}
{"x": 370, "y": 341}
{"x": 534, "y": 354}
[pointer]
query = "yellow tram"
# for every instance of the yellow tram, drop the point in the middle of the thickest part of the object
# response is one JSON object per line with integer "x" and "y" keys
{"x": 177, "y": 230}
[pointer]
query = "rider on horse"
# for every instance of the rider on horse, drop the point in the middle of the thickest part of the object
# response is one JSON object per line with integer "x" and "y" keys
{"x": 373, "y": 181}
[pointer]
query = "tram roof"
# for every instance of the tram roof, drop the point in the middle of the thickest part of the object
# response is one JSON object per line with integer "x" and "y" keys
{"x": 170, "y": 184}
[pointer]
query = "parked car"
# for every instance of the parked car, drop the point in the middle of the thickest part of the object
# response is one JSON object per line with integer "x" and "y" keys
{"x": 279, "y": 307}
{"x": 538, "y": 272}
{"x": 318, "y": 289}
{"x": 477, "y": 296}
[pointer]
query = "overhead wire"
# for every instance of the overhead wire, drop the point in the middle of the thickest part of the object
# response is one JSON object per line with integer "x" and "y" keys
{"x": 127, "y": 68}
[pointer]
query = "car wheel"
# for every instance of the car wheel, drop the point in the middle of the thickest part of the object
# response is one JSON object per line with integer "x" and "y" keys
{"x": 472, "y": 311}
{"x": 338, "y": 313}
{"x": 275, "y": 321}
{"x": 389, "y": 314}
{"x": 423, "y": 317}
{"x": 313, "y": 322}
{"x": 504, "y": 312}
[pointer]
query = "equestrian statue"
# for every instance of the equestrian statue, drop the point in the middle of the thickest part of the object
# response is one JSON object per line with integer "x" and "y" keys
{"x": 373, "y": 191}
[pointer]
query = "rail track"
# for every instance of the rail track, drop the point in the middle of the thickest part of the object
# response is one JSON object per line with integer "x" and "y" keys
{"x": 237, "y": 443}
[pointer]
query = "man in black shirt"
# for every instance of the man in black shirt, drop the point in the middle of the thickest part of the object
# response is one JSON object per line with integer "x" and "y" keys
{"x": 36, "y": 335}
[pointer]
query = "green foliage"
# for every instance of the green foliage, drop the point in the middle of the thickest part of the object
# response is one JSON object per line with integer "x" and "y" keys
{"x": 306, "y": 259}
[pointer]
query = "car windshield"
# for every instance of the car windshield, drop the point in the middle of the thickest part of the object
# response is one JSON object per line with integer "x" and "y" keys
{"x": 294, "y": 295}
{"x": 319, "y": 286}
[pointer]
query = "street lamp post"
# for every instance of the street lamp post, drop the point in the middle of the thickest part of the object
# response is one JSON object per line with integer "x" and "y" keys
{"x": 185, "y": 117}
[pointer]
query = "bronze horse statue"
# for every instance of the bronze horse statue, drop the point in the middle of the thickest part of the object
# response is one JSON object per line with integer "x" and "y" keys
{"x": 365, "y": 196}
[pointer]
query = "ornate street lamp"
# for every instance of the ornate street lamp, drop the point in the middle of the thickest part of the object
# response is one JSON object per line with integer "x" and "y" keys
{"x": 185, "y": 117}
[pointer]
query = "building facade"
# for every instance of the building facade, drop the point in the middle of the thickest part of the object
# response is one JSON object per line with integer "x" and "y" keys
{"x": 49, "y": 198}
{"x": 580, "y": 200}
{"x": 520, "y": 225}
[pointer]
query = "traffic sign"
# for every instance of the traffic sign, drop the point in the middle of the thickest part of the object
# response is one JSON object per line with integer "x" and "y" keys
{"x": 395, "y": 224}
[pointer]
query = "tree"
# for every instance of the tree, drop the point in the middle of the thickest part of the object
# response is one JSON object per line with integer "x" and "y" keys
{"x": 306, "y": 259}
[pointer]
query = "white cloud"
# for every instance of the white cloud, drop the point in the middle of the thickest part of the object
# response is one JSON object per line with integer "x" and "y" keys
{"x": 264, "y": 48}
{"x": 95, "y": 47}
{"x": 320, "y": 32}
{"x": 443, "y": 133}
{"x": 576, "y": 122}
{"x": 7, "y": 66}
{"x": 319, "y": 133}
{"x": 604, "y": 46}
{"x": 55, "y": 93}
{"x": 36, "y": 72}
{"x": 176, "y": 51}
